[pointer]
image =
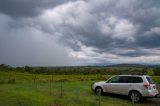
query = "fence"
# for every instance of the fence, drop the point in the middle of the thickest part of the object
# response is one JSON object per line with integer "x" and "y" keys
{"x": 71, "y": 94}
{"x": 66, "y": 93}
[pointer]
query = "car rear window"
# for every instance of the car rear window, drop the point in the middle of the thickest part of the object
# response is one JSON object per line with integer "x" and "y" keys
{"x": 150, "y": 80}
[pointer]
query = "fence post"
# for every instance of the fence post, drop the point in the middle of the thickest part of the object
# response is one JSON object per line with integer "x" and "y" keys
{"x": 35, "y": 80}
{"x": 52, "y": 84}
{"x": 99, "y": 95}
{"x": 61, "y": 89}
{"x": 50, "y": 87}
{"x": 35, "y": 77}
{"x": 77, "y": 95}
{"x": 132, "y": 97}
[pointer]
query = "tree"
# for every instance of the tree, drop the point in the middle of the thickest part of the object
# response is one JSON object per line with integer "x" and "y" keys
{"x": 150, "y": 72}
{"x": 156, "y": 71}
{"x": 28, "y": 69}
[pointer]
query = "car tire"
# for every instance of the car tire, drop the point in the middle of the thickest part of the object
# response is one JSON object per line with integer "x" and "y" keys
{"x": 99, "y": 89}
{"x": 137, "y": 96}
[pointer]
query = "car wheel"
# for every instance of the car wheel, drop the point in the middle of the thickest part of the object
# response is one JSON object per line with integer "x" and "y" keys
{"x": 136, "y": 96}
{"x": 98, "y": 91}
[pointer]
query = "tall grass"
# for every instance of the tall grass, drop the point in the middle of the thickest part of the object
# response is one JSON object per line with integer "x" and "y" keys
{"x": 45, "y": 90}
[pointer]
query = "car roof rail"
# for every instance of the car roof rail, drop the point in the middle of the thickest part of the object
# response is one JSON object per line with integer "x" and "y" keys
{"x": 132, "y": 74}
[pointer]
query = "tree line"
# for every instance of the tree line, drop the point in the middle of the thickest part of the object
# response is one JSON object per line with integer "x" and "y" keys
{"x": 83, "y": 70}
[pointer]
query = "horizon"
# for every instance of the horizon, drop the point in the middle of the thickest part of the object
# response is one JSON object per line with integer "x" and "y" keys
{"x": 95, "y": 65}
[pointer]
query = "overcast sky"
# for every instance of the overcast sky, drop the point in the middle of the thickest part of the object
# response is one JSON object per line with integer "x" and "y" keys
{"x": 79, "y": 32}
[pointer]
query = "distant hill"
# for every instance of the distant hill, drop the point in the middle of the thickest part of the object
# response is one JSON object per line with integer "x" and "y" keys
{"x": 106, "y": 65}
{"x": 127, "y": 65}
{"x": 133, "y": 65}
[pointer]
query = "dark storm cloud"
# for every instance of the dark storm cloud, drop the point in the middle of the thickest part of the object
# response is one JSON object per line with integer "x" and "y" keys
{"x": 108, "y": 24}
{"x": 27, "y": 8}
{"x": 135, "y": 21}
{"x": 89, "y": 31}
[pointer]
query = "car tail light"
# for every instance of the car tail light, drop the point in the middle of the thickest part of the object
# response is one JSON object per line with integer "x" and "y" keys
{"x": 146, "y": 86}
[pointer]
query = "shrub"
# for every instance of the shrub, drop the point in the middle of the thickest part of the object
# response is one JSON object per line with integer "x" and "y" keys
{"x": 11, "y": 81}
{"x": 2, "y": 82}
{"x": 156, "y": 71}
{"x": 43, "y": 81}
{"x": 63, "y": 80}
{"x": 150, "y": 72}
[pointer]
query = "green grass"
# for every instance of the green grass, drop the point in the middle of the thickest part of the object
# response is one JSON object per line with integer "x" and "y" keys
{"x": 45, "y": 90}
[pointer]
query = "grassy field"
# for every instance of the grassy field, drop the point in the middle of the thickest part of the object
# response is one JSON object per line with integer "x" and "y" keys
{"x": 23, "y": 89}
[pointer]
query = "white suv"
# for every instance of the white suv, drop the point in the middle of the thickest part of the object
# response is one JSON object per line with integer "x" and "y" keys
{"x": 138, "y": 85}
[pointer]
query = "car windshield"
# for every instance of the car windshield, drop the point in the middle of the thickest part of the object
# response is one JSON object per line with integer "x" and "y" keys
{"x": 150, "y": 80}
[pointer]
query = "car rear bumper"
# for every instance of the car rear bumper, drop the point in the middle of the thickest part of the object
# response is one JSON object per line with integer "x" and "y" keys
{"x": 157, "y": 96}
{"x": 151, "y": 93}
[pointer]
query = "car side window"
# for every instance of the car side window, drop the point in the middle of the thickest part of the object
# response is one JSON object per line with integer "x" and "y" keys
{"x": 137, "y": 80}
{"x": 124, "y": 79}
{"x": 114, "y": 79}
